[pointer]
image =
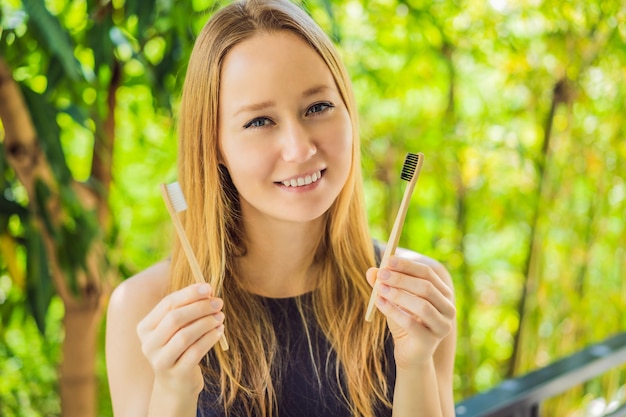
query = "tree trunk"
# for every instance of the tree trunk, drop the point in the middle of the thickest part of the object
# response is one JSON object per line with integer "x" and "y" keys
{"x": 531, "y": 263}
{"x": 78, "y": 369}
{"x": 83, "y": 311}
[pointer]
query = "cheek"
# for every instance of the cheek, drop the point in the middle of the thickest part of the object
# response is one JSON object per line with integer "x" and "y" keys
{"x": 340, "y": 143}
{"x": 244, "y": 163}
{"x": 239, "y": 168}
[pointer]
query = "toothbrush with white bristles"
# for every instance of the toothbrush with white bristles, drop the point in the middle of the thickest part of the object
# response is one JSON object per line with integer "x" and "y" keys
{"x": 175, "y": 203}
{"x": 410, "y": 172}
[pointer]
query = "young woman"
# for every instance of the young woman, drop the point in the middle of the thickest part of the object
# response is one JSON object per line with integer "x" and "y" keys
{"x": 270, "y": 167}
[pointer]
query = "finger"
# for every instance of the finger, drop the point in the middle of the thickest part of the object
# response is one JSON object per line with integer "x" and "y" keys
{"x": 395, "y": 314}
{"x": 420, "y": 270}
{"x": 410, "y": 286}
{"x": 176, "y": 299}
{"x": 186, "y": 337}
{"x": 178, "y": 318}
{"x": 418, "y": 308}
{"x": 370, "y": 275}
{"x": 194, "y": 353}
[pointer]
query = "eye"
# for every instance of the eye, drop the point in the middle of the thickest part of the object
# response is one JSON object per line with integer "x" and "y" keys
{"x": 319, "y": 108}
{"x": 257, "y": 123}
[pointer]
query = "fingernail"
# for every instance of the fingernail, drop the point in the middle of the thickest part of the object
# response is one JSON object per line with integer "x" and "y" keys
{"x": 383, "y": 289}
{"x": 380, "y": 301}
{"x": 384, "y": 274}
{"x": 204, "y": 289}
{"x": 393, "y": 261}
{"x": 216, "y": 303}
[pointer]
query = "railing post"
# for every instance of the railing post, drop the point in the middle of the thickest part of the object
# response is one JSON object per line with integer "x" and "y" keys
{"x": 534, "y": 410}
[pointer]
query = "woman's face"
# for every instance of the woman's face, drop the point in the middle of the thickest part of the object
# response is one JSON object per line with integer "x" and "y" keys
{"x": 284, "y": 131}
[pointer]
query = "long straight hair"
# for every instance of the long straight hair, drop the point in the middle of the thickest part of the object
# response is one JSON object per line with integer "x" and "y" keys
{"x": 245, "y": 374}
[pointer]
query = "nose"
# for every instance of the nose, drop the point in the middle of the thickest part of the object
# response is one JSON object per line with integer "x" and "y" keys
{"x": 297, "y": 143}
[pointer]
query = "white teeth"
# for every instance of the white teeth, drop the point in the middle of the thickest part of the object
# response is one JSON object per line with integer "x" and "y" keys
{"x": 298, "y": 182}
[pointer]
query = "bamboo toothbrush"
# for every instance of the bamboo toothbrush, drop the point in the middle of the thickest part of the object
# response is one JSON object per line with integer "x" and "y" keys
{"x": 410, "y": 172}
{"x": 175, "y": 203}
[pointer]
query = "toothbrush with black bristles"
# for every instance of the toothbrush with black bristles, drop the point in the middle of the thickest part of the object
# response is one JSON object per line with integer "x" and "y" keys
{"x": 175, "y": 203}
{"x": 410, "y": 172}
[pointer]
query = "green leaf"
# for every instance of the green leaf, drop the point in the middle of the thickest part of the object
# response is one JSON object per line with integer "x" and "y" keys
{"x": 42, "y": 195}
{"x": 3, "y": 163}
{"x": 146, "y": 12}
{"x": 52, "y": 34}
{"x": 44, "y": 117}
{"x": 39, "y": 288}
{"x": 10, "y": 207}
{"x": 99, "y": 40}
{"x": 335, "y": 31}
{"x": 78, "y": 234}
{"x": 74, "y": 236}
{"x": 77, "y": 113}
{"x": 171, "y": 61}
{"x": 56, "y": 74}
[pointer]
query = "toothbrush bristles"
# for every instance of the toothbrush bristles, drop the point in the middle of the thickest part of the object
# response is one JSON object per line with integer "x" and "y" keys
{"x": 410, "y": 164}
{"x": 177, "y": 198}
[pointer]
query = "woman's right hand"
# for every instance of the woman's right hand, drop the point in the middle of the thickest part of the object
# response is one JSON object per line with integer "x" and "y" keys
{"x": 176, "y": 335}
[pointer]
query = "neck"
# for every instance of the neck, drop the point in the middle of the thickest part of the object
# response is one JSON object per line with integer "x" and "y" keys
{"x": 279, "y": 259}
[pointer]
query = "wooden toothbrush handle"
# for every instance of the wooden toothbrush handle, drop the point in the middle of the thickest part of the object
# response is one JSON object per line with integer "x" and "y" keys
{"x": 191, "y": 257}
{"x": 392, "y": 244}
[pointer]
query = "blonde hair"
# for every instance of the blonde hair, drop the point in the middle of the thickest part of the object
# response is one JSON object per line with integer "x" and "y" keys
{"x": 244, "y": 374}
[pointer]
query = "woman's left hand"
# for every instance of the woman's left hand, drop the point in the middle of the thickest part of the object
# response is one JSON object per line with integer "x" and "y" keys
{"x": 419, "y": 306}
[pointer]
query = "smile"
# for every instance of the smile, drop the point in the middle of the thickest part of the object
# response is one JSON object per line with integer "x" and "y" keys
{"x": 302, "y": 181}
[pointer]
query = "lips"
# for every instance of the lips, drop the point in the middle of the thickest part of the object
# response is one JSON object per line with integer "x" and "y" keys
{"x": 302, "y": 181}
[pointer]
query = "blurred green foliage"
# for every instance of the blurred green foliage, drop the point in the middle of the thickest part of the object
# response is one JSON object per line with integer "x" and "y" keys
{"x": 517, "y": 105}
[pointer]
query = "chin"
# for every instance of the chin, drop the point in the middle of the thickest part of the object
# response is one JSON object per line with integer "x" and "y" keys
{"x": 301, "y": 214}
{"x": 302, "y": 217}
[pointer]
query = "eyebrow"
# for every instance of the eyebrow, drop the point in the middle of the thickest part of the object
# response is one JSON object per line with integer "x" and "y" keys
{"x": 314, "y": 90}
{"x": 266, "y": 104}
{"x": 254, "y": 107}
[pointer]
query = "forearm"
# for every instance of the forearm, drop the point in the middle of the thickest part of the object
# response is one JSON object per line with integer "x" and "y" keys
{"x": 165, "y": 403}
{"x": 417, "y": 393}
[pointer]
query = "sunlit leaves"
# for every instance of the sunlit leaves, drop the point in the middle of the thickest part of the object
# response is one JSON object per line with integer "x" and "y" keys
{"x": 53, "y": 35}
{"x": 473, "y": 93}
{"x": 48, "y": 133}
{"x": 39, "y": 288}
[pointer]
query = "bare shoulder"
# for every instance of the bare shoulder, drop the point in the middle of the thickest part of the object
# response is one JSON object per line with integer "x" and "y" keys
{"x": 129, "y": 373}
{"x": 133, "y": 299}
{"x": 140, "y": 293}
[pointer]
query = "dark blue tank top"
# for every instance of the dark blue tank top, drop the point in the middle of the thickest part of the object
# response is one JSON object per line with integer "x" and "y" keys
{"x": 301, "y": 392}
